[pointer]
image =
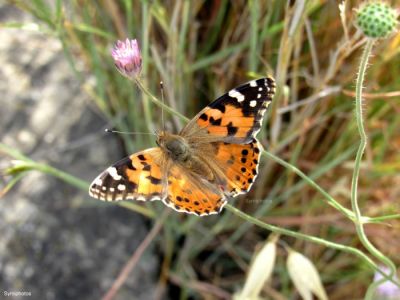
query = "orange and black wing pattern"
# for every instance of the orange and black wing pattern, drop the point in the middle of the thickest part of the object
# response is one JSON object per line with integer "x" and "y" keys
{"x": 136, "y": 177}
{"x": 239, "y": 163}
{"x": 190, "y": 194}
{"x": 237, "y": 115}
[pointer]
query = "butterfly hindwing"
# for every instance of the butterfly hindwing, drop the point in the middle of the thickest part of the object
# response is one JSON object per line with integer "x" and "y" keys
{"x": 191, "y": 194}
{"x": 237, "y": 115}
{"x": 137, "y": 177}
{"x": 239, "y": 163}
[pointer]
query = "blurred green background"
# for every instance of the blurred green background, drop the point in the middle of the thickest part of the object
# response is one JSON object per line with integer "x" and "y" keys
{"x": 200, "y": 50}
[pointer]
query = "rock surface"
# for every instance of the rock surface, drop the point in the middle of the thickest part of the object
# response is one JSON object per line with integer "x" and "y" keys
{"x": 56, "y": 242}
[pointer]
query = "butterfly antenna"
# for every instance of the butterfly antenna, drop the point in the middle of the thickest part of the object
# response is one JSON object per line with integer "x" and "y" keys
{"x": 162, "y": 109}
{"x": 127, "y": 132}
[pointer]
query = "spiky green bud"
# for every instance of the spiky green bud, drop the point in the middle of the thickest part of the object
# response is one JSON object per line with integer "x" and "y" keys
{"x": 376, "y": 19}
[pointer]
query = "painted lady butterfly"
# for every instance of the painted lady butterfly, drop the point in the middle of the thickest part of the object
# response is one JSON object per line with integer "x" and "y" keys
{"x": 214, "y": 157}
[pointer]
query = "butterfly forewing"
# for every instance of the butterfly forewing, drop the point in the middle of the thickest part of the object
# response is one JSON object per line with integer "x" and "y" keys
{"x": 236, "y": 116}
{"x": 137, "y": 177}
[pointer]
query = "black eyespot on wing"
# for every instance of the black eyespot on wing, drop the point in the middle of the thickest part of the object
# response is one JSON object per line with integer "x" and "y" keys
{"x": 232, "y": 129}
{"x": 203, "y": 117}
{"x": 215, "y": 122}
{"x": 154, "y": 180}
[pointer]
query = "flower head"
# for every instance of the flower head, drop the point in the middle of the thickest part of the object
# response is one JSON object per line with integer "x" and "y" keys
{"x": 260, "y": 271}
{"x": 387, "y": 290}
{"x": 376, "y": 19}
{"x": 127, "y": 58}
{"x": 305, "y": 276}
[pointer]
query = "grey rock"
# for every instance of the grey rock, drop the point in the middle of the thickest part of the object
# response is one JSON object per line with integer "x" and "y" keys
{"x": 56, "y": 242}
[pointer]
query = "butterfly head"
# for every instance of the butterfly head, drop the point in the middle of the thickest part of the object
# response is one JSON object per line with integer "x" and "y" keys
{"x": 174, "y": 145}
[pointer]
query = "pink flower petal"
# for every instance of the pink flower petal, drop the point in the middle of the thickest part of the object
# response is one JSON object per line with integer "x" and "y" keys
{"x": 127, "y": 57}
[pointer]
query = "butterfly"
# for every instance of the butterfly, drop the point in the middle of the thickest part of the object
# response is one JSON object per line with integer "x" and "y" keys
{"x": 214, "y": 157}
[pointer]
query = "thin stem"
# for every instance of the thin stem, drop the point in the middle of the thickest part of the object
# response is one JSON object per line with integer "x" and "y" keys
{"x": 147, "y": 114}
{"x": 358, "y": 222}
{"x": 331, "y": 201}
{"x": 361, "y": 130}
{"x": 145, "y": 50}
{"x": 158, "y": 102}
{"x": 311, "y": 239}
{"x": 123, "y": 275}
{"x": 301, "y": 236}
{"x": 10, "y": 184}
{"x": 383, "y": 218}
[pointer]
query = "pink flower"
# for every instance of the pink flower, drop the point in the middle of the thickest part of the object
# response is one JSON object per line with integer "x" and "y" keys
{"x": 127, "y": 58}
{"x": 387, "y": 290}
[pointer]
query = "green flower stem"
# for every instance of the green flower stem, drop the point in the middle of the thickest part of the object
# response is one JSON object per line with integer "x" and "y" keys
{"x": 361, "y": 130}
{"x": 11, "y": 183}
{"x": 26, "y": 164}
{"x": 72, "y": 180}
{"x": 147, "y": 114}
{"x": 13, "y": 153}
{"x": 383, "y": 218}
{"x": 347, "y": 212}
{"x": 158, "y": 102}
{"x": 358, "y": 222}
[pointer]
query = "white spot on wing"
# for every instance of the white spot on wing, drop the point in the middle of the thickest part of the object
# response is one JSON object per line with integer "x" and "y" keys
{"x": 260, "y": 89}
{"x": 258, "y": 96}
{"x": 98, "y": 181}
{"x": 113, "y": 173}
{"x": 121, "y": 187}
{"x": 253, "y": 83}
{"x": 236, "y": 94}
{"x": 253, "y": 103}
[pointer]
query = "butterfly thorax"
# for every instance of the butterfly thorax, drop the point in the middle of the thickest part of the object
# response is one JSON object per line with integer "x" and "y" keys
{"x": 177, "y": 148}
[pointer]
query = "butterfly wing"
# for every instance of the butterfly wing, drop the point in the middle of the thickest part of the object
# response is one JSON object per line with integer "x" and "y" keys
{"x": 239, "y": 164}
{"x": 136, "y": 177}
{"x": 192, "y": 194}
{"x": 235, "y": 117}
{"x": 236, "y": 165}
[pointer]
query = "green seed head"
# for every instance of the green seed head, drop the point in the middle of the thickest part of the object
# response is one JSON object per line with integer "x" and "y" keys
{"x": 376, "y": 19}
